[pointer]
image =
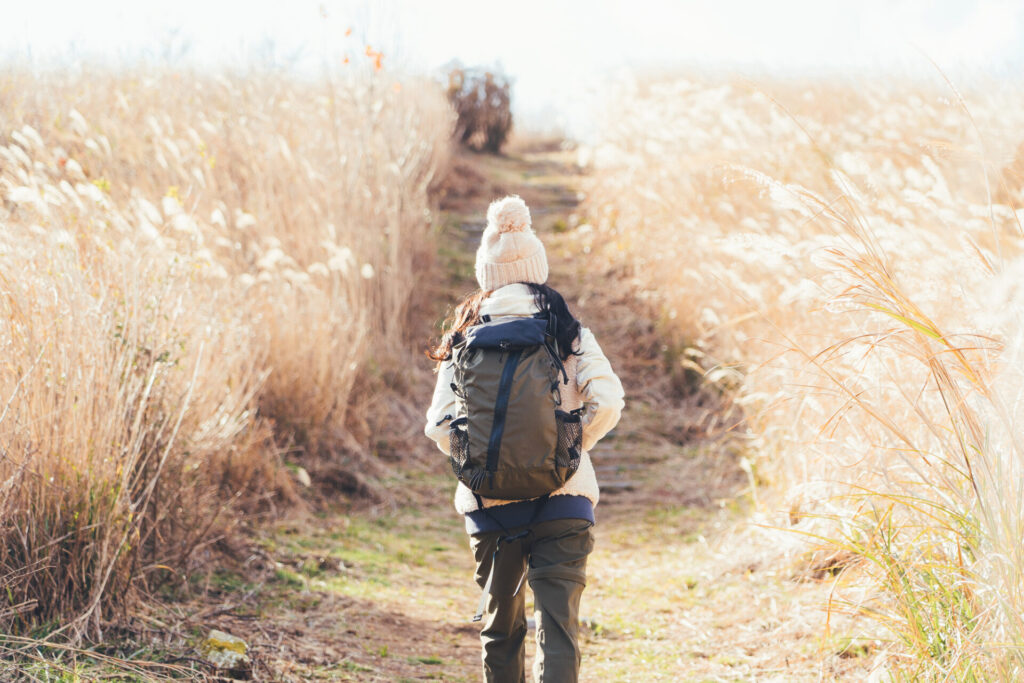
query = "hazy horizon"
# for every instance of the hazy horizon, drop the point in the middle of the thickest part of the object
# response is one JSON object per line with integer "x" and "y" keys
{"x": 558, "y": 54}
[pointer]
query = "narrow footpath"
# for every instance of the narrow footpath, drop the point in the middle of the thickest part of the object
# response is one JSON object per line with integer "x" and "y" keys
{"x": 678, "y": 588}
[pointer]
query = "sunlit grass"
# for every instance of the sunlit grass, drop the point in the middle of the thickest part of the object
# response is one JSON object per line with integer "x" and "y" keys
{"x": 854, "y": 254}
{"x": 195, "y": 273}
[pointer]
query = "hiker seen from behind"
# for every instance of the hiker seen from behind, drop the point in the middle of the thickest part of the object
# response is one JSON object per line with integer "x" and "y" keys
{"x": 523, "y": 393}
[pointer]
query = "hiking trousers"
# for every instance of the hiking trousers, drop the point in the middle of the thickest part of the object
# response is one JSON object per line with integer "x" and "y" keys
{"x": 553, "y": 558}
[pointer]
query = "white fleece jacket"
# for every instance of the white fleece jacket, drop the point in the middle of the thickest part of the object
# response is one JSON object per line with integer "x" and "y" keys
{"x": 592, "y": 383}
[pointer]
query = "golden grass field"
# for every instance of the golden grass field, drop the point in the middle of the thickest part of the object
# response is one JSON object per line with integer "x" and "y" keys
{"x": 847, "y": 257}
{"x": 196, "y": 272}
{"x": 213, "y": 285}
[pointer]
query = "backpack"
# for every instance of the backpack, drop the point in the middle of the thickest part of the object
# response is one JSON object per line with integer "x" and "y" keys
{"x": 510, "y": 440}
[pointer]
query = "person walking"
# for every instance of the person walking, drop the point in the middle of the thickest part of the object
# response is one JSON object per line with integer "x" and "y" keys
{"x": 544, "y": 539}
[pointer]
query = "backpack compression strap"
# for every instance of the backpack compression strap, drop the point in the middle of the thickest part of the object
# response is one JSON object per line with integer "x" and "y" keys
{"x": 551, "y": 342}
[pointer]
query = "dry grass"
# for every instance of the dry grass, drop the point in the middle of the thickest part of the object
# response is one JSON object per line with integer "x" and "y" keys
{"x": 849, "y": 256}
{"x": 195, "y": 273}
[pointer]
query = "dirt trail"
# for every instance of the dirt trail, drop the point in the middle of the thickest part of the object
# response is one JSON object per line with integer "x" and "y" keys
{"x": 676, "y": 589}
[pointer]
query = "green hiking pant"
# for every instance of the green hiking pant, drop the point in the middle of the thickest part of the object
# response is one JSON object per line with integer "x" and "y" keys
{"x": 554, "y": 559}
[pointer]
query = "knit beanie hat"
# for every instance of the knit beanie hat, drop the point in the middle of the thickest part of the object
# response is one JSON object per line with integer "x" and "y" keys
{"x": 509, "y": 250}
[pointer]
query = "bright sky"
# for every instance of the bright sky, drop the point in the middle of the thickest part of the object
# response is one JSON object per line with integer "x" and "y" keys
{"x": 556, "y": 50}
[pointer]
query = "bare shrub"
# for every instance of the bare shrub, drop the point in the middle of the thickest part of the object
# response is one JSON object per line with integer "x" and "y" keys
{"x": 482, "y": 100}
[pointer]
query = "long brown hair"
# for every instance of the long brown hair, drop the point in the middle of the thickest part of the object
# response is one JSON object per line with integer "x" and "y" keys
{"x": 466, "y": 314}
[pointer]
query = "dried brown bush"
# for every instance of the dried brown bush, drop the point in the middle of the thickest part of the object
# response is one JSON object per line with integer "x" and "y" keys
{"x": 482, "y": 100}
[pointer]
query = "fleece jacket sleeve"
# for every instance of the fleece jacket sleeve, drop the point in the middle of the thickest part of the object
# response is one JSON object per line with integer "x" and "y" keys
{"x": 601, "y": 390}
{"x": 442, "y": 407}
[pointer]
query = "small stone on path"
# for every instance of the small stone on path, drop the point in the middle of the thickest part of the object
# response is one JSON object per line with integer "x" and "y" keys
{"x": 228, "y": 653}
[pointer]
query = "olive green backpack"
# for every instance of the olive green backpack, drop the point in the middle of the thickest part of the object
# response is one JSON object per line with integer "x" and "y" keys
{"x": 510, "y": 439}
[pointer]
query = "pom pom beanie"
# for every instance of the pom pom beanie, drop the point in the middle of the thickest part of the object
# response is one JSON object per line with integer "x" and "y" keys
{"x": 510, "y": 251}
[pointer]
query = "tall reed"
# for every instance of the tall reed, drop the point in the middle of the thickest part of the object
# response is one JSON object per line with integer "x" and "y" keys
{"x": 194, "y": 273}
{"x": 850, "y": 251}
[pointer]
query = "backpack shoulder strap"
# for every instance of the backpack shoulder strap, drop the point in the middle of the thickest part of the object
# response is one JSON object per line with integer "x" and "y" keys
{"x": 551, "y": 342}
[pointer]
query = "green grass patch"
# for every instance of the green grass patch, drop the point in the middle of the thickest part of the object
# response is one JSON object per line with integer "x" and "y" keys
{"x": 289, "y": 578}
{"x": 355, "y": 667}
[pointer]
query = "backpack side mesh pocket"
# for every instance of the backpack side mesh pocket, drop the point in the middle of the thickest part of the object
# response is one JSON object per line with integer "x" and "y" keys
{"x": 458, "y": 441}
{"x": 570, "y": 440}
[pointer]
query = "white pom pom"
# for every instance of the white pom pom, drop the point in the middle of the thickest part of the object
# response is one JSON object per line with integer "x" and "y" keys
{"x": 508, "y": 214}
